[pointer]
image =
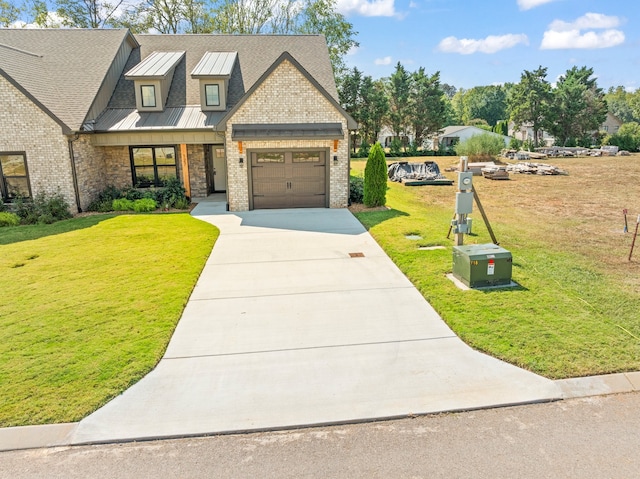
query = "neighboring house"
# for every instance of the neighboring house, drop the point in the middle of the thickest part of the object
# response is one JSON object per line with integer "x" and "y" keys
{"x": 255, "y": 116}
{"x": 525, "y": 132}
{"x": 611, "y": 124}
{"x": 457, "y": 134}
{"x": 386, "y": 136}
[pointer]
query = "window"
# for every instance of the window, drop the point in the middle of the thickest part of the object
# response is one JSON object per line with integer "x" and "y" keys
{"x": 14, "y": 178}
{"x": 153, "y": 165}
{"x": 306, "y": 157}
{"x": 212, "y": 95}
{"x": 270, "y": 157}
{"x": 148, "y": 95}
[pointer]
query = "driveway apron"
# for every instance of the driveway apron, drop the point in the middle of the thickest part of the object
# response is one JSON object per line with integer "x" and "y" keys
{"x": 299, "y": 318}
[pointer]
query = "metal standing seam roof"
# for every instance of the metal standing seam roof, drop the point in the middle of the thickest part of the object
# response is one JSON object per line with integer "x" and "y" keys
{"x": 215, "y": 64}
{"x": 324, "y": 131}
{"x": 156, "y": 65}
{"x": 174, "y": 118}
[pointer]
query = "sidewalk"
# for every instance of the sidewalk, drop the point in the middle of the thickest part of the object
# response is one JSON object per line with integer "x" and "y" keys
{"x": 286, "y": 327}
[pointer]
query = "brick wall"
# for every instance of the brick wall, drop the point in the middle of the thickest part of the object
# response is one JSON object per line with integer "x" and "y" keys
{"x": 25, "y": 127}
{"x": 197, "y": 174}
{"x": 286, "y": 96}
{"x": 90, "y": 169}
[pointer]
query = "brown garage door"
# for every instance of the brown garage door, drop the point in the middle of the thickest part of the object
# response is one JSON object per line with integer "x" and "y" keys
{"x": 288, "y": 179}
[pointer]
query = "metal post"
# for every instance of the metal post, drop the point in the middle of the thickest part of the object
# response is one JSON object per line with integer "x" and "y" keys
{"x": 633, "y": 242}
{"x": 461, "y": 218}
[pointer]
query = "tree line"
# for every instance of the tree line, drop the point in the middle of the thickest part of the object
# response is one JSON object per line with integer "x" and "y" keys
{"x": 194, "y": 16}
{"x": 419, "y": 104}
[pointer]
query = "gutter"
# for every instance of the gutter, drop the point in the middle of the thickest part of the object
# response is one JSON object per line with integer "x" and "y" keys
{"x": 74, "y": 173}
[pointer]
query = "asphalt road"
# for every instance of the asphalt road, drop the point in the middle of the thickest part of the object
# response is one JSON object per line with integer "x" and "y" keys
{"x": 595, "y": 437}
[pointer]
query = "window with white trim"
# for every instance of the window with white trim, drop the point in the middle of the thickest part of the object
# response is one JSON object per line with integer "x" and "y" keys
{"x": 148, "y": 96}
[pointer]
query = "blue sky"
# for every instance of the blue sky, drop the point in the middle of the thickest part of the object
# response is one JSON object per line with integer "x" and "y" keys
{"x": 484, "y": 42}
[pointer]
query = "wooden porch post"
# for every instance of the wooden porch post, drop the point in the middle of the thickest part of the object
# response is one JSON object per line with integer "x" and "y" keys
{"x": 185, "y": 169}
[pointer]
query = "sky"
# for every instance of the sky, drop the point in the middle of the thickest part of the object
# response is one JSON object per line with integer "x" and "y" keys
{"x": 490, "y": 42}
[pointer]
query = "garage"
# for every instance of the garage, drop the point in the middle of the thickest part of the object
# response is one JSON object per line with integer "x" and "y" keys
{"x": 288, "y": 179}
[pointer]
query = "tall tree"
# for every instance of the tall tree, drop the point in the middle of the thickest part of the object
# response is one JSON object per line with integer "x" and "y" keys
{"x": 619, "y": 103}
{"x": 375, "y": 107}
{"x": 89, "y": 13}
{"x": 9, "y": 13}
{"x": 487, "y": 103}
{"x": 578, "y": 107}
{"x": 349, "y": 93}
{"x": 427, "y": 107}
{"x": 398, "y": 91}
{"x": 528, "y": 101}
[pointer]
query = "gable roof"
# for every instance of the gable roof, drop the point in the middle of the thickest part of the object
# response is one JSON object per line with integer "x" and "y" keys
{"x": 62, "y": 69}
{"x": 286, "y": 56}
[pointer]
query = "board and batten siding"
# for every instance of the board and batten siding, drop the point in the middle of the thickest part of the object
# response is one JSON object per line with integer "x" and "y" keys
{"x": 286, "y": 96}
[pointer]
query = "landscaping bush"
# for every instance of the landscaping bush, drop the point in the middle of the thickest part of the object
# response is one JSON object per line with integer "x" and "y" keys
{"x": 395, "y": 149}
{"x": 122, "y": 204}
{"x": 144, "y": 205}
{"x": 375, "y": 178}
{"x": 172, "y": 193}
{"x": 3, "y": 207}
{"x": 363, "y": 151}
{"x": 9, "y": 219}
{"x": 42, "y": 209}
{"x": 356, "y": 189}
{"x": 104, "y": 202}
{"x": 182, "y": 204}
{"x": 480, "y": 146}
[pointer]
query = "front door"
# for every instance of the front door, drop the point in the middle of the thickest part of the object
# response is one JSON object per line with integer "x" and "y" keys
{"x": 215, "y": 168}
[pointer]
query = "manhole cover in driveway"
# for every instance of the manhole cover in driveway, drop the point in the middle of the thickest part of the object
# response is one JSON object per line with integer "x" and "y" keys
{"x": 356, "y": 255}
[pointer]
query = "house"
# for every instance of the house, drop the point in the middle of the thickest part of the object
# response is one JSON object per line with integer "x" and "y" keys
{"x": 386, "y": 136}
{"x": 611, "y": 124}
{"x": 254, "y": 116}
{"x": 525, "y": 132}
{"x": 451, "y": 135}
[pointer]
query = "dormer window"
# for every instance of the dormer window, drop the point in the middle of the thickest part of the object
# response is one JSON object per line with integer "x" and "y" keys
{"x": 214, "y": 71}
{"x": 212, "y": 94}
{"x": 148, "y": 96}
{"x": 152, "y": 78}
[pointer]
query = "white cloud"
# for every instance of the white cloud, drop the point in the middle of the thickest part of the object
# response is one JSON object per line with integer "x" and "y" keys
{"x": 353, "y": 50}
{"x": 374, "y": 8}
{"x": 569, "y": 35}
{"x": 529, "y": 4}
{"x": 413, "y": 4}
{"x": 53, "y": 20}
{"x": 585, "y": 22}
{"x": 382, "y": 61}
{"x": 491, "y": 44}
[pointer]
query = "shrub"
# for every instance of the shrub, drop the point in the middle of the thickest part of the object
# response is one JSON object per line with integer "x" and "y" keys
{"x": 3, "y": 207}
{"x": 375, "y": 178}
{"x": 356, "y": 189}
{"x": 104, "y": 202}
{"x": 515, "y": 144}
{"x": 144, "y": 205}
{"x": 9, "y": 219}
{"x": 363, "y": 151}
{"x": 43, "y": 208}
{"x": 395, "y": 149}
{"x": 122, "y": 204}
{"x": 484, "y": 145}
{"x": 172, "y": 192}
{"x": 182, "y": 204}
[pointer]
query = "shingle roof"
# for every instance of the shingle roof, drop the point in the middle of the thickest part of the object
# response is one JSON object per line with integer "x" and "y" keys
{"x": 62, "y": 69}
{"x": 256, "y": 53}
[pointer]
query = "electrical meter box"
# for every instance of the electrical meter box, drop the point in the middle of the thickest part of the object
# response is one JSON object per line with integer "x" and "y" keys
{"x": 481, "y": 265}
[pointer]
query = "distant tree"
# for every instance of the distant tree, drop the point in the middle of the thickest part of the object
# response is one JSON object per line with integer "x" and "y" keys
{"x": 457, "y": 107}
{"x": 88, "y": 13}
{"x": 578, "y": 107}
{"x": 486, "y": 102}
{"x": 528, "y": 101}
{"x": 350, "y": 95}
{"x": 398, "y": 91}
{"x": 502, "y": 128}
{"x": 9, "y": 13}
{"x": 619, "y": 103}
{"x": 375, "y": 178}
{"x": 374, "y": 109}
{"x": 449, "y": 90}
{"x": 427, "y": 108}
{"x": 627, "y": 137}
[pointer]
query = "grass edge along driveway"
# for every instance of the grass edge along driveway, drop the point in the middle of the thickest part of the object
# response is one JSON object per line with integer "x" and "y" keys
{"x": 568, "y": 318}
{"x": 87, "y": 313}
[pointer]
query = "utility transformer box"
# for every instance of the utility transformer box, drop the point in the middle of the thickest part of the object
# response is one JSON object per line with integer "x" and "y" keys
{"x": 481, "y": 265}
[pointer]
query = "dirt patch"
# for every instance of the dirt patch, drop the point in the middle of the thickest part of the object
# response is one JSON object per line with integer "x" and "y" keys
{"x": 361, "y": 208}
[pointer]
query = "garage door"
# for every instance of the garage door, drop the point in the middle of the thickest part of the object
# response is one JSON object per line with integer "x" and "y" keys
{"x": 288, "y": 179}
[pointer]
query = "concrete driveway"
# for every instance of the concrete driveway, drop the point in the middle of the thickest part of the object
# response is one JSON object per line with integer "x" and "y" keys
{"x": 299, "y": 318}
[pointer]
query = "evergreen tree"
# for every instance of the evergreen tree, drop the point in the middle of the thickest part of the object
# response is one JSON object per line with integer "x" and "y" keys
{"x": 375, "y": 178}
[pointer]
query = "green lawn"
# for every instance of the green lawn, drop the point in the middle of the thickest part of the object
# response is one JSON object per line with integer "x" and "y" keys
{"x": 88, "y": 308}
{"x": 571, "y": 316}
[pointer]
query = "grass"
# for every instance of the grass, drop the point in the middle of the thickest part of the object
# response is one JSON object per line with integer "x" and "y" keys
{"x": 88, "y": 307}
{"x": 577, "y": 309}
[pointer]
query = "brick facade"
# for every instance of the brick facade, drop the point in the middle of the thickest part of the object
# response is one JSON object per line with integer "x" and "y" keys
{"x": 26, "y": 128}
{"x": 286, "y": 96}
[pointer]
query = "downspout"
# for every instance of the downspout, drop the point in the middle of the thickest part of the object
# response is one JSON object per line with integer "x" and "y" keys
{"x": 74, "y": 174}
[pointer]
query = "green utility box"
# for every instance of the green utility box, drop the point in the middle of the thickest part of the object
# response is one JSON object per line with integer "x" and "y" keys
{"x": 478, "y": 265}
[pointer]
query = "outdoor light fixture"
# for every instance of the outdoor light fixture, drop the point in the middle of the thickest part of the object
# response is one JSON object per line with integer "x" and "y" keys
{"x": 335, "y": 159}
{"x": 241, "y": 161}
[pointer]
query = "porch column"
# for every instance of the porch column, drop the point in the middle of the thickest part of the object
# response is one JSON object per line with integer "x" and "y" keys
{"x": 185, "y": 169}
